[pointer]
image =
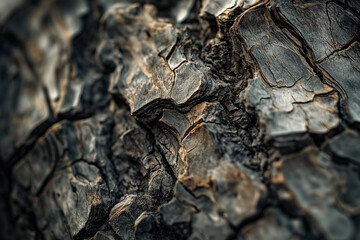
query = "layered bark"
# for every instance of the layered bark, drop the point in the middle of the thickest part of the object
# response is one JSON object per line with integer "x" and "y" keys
{"x": 213, "y": 119}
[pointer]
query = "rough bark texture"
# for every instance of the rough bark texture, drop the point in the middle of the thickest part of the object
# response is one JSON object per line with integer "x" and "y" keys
{"x": 188, "y": 119}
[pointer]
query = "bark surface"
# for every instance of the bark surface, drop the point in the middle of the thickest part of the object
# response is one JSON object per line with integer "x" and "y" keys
{"x": 188, "y": 119}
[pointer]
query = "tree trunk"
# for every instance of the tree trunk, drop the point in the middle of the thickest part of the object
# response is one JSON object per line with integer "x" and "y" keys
{"x": 188, "y": 119}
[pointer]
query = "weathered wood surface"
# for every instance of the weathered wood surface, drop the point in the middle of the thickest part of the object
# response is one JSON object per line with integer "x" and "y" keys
{"x": 188, "y": 119}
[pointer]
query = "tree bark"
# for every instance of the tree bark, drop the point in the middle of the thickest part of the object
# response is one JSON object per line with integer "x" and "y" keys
{"x": 188, "y": 119}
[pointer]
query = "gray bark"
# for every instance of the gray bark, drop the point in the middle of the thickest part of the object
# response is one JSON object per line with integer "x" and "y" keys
{"x": 189, "y": 119}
